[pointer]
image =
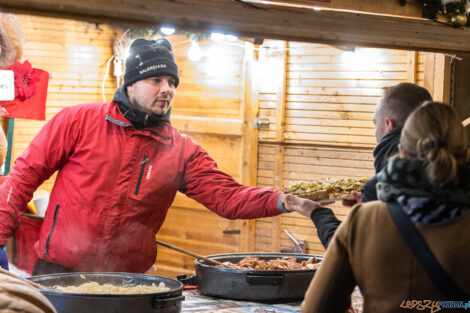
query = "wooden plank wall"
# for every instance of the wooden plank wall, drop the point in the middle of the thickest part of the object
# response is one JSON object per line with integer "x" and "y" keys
{"x": 75, "y": 54}
{"x": 330, "y": 97}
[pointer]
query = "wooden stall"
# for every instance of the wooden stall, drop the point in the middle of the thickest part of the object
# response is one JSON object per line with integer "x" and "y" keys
{"x": 267, "y": 113}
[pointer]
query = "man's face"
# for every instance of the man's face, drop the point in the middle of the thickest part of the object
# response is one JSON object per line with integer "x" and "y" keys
{"x": 153, "y": 95}
{"x": 381, "y": 128}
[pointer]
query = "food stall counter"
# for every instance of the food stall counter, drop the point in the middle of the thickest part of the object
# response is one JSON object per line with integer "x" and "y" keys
{"x": 196, "y": 302}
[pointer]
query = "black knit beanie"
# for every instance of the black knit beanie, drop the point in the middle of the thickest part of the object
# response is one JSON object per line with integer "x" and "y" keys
{"x": 150, "y": 58}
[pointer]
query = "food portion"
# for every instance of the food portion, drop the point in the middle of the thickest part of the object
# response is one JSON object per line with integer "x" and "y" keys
{"x": 327, "y": 188}
{"x": 97, "y": 288}
{"x": 287, "y": 263}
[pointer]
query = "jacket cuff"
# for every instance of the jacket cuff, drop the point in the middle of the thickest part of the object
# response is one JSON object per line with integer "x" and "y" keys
{"x": 280, "y": 205}
{"x": 321, "y": 213}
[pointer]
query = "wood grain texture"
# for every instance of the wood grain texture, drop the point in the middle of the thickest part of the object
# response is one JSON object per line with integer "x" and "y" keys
{"x": 250, "y": 103}
{"x": 75, "y": 55}
{"x": 330, "y": 99}
{"x": 260, "y": 21}
{"x": 411, "y": 8}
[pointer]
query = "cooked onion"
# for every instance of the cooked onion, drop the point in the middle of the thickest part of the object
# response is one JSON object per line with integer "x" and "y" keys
{"x": 97, "y": 288}
{"x": 286, "y": 263}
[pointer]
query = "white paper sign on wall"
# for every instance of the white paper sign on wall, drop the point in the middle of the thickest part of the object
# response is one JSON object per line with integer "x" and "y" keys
{"x": 7, "y": 85}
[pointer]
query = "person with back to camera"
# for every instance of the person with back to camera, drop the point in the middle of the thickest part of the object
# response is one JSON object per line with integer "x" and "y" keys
{"x": 119, "y": 166}
{"x": 428, "y": 186}
{"x": 390, "y": 114}
{"x": 17, "y": 296}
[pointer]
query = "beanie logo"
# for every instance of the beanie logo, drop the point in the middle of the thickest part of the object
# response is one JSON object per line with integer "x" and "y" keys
{"x": 153, "y": 67}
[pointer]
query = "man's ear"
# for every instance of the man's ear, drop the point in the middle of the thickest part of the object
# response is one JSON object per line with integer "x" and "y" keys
{"x": 390, "y": 123}
{"x": 127, "y": 88}
{"x": 401, "y": 152}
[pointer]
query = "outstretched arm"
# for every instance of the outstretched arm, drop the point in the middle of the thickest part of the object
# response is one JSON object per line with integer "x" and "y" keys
{"x": 207, "y": 184}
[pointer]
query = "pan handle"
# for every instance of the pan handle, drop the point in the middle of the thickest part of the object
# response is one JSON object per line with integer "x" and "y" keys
{"x": 264, "y": 279}
{"x": 187, "y": 280}
{"x": 163, "y": 303}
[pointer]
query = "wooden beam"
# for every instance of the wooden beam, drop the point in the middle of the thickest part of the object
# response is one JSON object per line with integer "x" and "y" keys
{"x": 278, "y": 179}
{"x": 437, "y": 76}
{"x": 442, "y": 78}
{"x": 412, "y": 68}
{"x": 412, "y": 8}
{"x": 249, "y": 140}
{"x": 207, "y": 125}
{"x": 428, "y": 80}
{"x": 280, "y": 138}
{"x": 260, "y": 21}
{"x": 281, "y": 93}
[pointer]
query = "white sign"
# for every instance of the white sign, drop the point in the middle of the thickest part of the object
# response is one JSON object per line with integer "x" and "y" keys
{"x": 7, "y": 85}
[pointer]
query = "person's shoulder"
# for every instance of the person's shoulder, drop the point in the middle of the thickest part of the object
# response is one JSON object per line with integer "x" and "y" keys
{"x": 177, "y": 133}
{"x": 181, "y": 136}
{"x": 368, "y": 214}
{"x": 189, "y": 147}
{"x": 85, "y": 108}
{"x": 368, "y": 210}
{"x": 364, "y": 207}
{"x": 90, "y": 107}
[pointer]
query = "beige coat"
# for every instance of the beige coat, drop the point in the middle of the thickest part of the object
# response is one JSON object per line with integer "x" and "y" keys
{"x": 17, "y": 296}
{"x": 368, "y": 250}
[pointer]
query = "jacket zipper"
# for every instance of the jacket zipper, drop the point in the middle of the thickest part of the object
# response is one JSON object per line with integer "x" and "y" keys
{"x": 56, "y": 214}
{"x": 142, "y": 168}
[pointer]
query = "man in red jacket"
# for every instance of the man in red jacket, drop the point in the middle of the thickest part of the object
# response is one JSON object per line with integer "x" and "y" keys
{"x": 120, "y": 165}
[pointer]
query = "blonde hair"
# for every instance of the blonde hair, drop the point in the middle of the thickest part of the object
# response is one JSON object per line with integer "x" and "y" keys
{"x": 434, "y": 134}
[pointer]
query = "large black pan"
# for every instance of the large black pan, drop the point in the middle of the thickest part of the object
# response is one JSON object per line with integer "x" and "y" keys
{"x": 255, "y": 285}
{"x": 64, "y": 302}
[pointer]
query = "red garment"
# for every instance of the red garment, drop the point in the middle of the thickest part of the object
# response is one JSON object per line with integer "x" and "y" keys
{"x": 33, "y": 107}
{"x": 114, "y": 187}
{"x": 24, "y": 256}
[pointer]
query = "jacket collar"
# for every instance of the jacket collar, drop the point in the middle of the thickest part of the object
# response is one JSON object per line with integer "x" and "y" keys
{"x": 162, "y": 133}
{"x": 138, "y": 118}
{"x": 386, "y": 147}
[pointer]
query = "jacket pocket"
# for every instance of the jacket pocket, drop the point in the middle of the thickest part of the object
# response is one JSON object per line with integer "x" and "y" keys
{"x": 56, "y": 214}
{"x": 141, "y": 174}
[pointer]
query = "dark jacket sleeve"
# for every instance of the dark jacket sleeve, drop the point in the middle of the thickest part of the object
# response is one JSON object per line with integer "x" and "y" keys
{"x": 326, "y": 223}
{"x": 369, "y": 193}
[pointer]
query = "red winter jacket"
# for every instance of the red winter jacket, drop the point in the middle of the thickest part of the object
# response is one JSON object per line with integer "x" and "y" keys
{"x": 114, "y": 187}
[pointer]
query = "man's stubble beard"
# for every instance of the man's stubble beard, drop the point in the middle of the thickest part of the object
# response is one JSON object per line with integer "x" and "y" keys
{"x": 149, "y": 112}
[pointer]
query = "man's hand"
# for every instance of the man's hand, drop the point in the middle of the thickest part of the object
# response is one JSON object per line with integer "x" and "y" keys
{"x": 355, "y": 198}
{"x": 3, "y": 258}
{"x": 301, "y": 205}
